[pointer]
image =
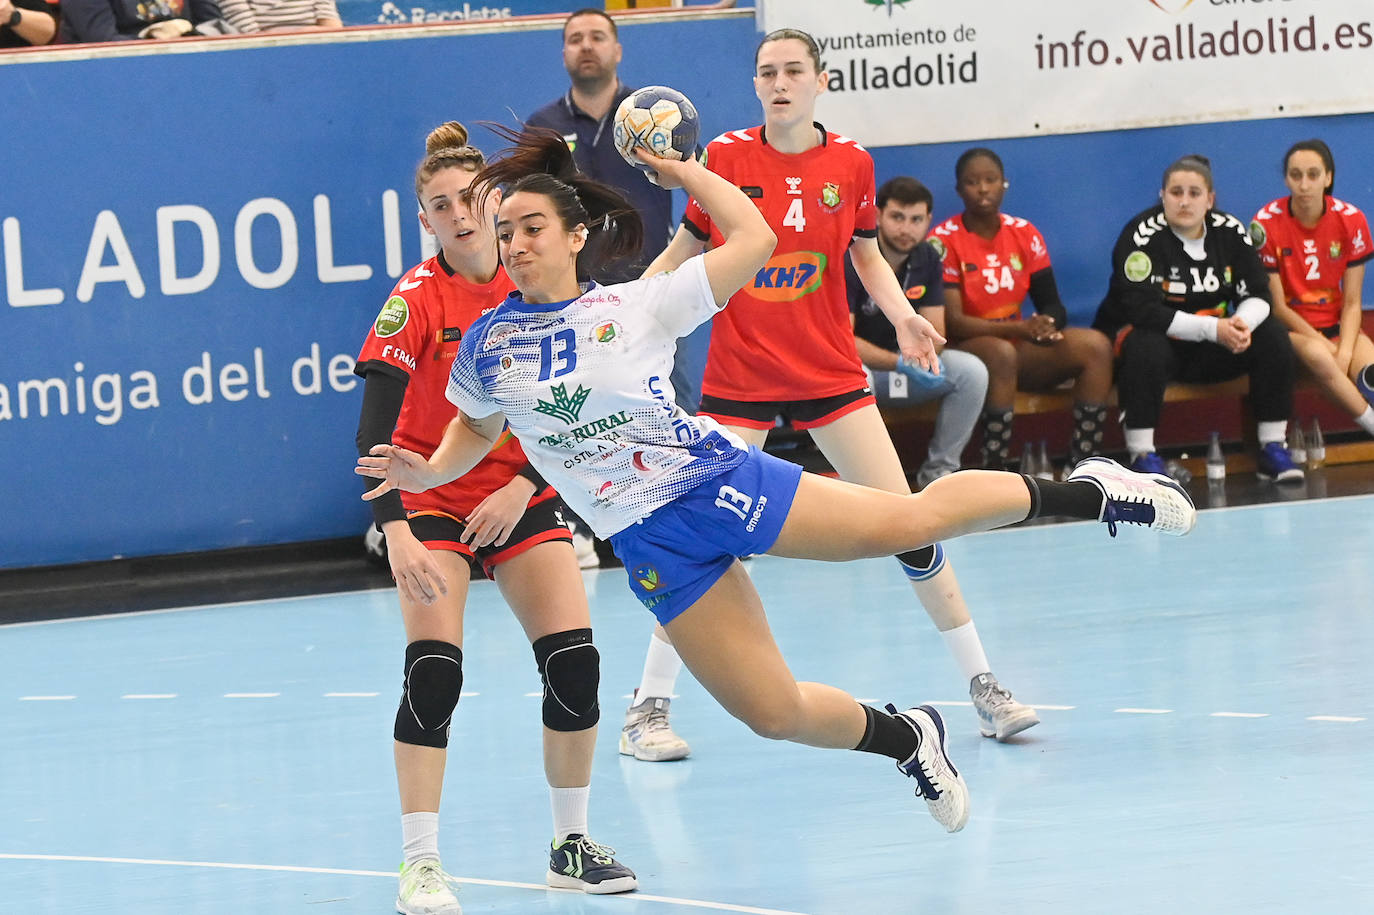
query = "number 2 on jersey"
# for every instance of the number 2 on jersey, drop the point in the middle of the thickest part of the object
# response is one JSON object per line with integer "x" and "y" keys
{"x": 557, "y": 354}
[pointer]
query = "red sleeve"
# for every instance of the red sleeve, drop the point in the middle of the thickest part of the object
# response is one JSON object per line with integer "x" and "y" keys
{"x": 941, "y": 240}
{"x": 1357, "y": 230}
{"x": 1037, "y": 249}
{"x": 866, "y": 216}
{"x": 1262, "y": 232}
{"x": 400, "y": 333}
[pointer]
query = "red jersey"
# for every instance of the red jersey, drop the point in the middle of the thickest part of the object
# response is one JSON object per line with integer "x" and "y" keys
{"x": 417, "y": 334}
{"x": 993, "y": 276}
{"x": 1311, "y": 263}
{"x": 786, "y": 335}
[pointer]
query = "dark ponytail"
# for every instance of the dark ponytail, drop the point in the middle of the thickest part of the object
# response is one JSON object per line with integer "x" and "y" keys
{"x": 540, "y": 162}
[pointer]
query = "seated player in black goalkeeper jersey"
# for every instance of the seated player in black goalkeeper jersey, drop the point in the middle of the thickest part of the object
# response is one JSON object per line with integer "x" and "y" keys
{"x": 1189, "y": 300}
{"x": 579, "y": 373}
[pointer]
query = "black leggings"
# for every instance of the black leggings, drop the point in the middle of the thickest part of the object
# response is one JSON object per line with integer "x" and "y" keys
{"x": 1149, "y": 361}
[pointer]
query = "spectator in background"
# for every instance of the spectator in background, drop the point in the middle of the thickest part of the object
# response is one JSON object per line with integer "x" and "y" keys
{"x": 26, "y": 23}
{"x": 904, "y": 206}
{"x": 992, "y": 262}
{"x": 1189, "y": 300}
{"x": 591, "y": 55}
{"x": 281, "y": 15}
{"x": 85, "y": 21}
{"x": 1315, "y": 248}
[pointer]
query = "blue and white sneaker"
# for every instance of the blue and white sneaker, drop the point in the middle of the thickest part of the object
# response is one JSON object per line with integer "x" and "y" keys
{"x": 1150, "y": 462}
{"x": 578, "y": 863}
{"x": 936, "y": 778}
{"x": 1275, "y": 463}
{"x": 1152, "y": 499}
{"x": 1362, "y": 384}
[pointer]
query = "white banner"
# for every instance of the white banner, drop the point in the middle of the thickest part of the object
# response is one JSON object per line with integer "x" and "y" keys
{"x": 921, "y": 71}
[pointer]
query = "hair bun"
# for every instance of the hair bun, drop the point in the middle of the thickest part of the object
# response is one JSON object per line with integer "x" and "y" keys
{"x": 448, "y": 135}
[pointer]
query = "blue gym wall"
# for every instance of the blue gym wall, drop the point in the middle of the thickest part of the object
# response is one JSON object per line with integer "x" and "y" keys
{"x": 224, "y": 125}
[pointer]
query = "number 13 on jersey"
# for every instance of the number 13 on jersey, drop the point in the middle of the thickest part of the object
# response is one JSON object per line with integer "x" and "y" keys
{"x": 557, "y": 354}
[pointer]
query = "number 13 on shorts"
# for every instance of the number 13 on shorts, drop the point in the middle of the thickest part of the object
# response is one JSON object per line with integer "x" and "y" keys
{"x": 732, "y": 500}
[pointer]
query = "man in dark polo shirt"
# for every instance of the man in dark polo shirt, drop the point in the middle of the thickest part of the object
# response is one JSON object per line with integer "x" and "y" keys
{"x": 591, "y": 54}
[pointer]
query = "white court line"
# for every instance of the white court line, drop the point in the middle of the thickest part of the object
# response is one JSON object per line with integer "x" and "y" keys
{"x": 251, "y": 695}
{"x": 45, "y": 698}
{"x": 149, "y": 696}
{"x": 1054, "y": 708}
{"x": 350, "y": 695}
{"x": 391, "y": 875}
{"x": 1332, "y": 718}
{"x": 1240, "y": 715}
{"x": 1144, "y": 711}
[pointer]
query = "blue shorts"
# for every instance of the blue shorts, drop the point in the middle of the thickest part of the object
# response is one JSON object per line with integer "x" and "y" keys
{"x": 676, "y": 554}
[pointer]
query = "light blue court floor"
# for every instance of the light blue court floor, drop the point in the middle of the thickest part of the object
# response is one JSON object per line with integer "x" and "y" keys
{"x": 1207, "y": 744}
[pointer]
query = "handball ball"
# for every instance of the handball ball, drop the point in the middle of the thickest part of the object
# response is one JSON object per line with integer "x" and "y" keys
{"x": 661, "y": 120}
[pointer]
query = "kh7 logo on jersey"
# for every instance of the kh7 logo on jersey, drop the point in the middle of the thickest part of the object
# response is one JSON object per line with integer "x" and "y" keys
{"x": 564, "y": 407}
{"x": 788, "y": 277}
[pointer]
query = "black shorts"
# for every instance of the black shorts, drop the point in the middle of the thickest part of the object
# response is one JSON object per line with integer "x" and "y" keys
{"x": 1330, "y": 333}
{"x": 799, "y": 414}
{"x": 542, "y": 522}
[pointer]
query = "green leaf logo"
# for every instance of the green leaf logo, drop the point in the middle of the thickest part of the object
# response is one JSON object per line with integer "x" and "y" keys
{"x": 564, "y": 407}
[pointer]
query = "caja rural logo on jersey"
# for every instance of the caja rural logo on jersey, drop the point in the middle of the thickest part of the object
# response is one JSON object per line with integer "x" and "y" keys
{"x": 788, "y": 277}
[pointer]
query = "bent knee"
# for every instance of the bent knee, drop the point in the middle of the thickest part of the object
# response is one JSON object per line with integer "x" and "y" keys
{"x": 773, "y": 721}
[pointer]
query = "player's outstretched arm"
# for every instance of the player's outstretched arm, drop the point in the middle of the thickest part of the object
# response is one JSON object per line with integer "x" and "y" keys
{"x": 749, "y": 241}
{"x": 466, "y": 441}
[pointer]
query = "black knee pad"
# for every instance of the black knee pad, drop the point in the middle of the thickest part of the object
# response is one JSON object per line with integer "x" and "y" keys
{"x": 433, "y": 683}
{"x": 570, "y": 667}
{"x": 923, "y": 564}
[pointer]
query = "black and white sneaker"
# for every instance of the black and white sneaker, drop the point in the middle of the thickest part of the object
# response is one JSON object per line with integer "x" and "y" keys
{"x": 578, "y": 863}
{"x": 936, "y": 778}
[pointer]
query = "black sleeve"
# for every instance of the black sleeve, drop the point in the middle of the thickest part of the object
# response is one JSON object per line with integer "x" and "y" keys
{"x": 534, "y": 476}
{"x": 932, "y": 271}
{"x": 1250, "y": 269}
{"x": 853, "y": 286}
{"x": 90, "y": 20}
{"x": 1044, "y": 295}
{"x": 383, "y": 394}
{"x": 1136, "y": 294}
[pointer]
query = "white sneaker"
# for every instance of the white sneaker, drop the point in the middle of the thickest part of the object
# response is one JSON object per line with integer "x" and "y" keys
{"x": 936, "y": 778}
{"x": 999, "y": 715}
{"x": 1152, "y": 499}
{"x": 584, "y": 545}
{"x": 648, "y": 736}
{"x": 426, "y": 890}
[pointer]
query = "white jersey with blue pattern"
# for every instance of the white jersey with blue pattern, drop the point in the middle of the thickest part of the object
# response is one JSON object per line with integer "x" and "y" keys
{"x": 584, "y": 386}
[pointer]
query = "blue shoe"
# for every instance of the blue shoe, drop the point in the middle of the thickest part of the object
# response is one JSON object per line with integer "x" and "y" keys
{"x": 1275, "y": 463}
{"x": 1365, "y": 390}
{"x": 936, "y": 778}
{"x": 1150, "y": 462}
{"x": 1154, "y": 500}
{"x": 578, "y": 863}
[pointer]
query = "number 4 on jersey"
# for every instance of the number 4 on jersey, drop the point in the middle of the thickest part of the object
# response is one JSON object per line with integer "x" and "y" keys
{"x": 795, "y": 218}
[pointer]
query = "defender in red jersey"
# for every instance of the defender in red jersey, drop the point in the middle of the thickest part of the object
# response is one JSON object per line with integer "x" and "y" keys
{"x": 501, "y": 515}
{"x": 1315, "y": 248}
{"x": 992, "y": 263}
{"x": 785, "y": 346}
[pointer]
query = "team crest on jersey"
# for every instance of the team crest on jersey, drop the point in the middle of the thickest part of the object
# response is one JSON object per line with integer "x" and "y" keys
{"x": 648, "y": 579}
{"x": 938, "y": 245}
{"x": 1015, "y": 261}
{"x": 498, "y": 334}
{"x": 788, "y": 277}
{"x": 564, "y": 407}
{"x": 1257, "y": 233}
{"x": 830, "y": 197}
{"x": 1137, "y": 266}
{"x": 1226, "y": 275}
{"x": 915, "y": 293}
{"x": 507, "y": 364}
{"x": 1335, "y": 250}
{"x": 605, "y": 333}
{"x": 393, "y": 316}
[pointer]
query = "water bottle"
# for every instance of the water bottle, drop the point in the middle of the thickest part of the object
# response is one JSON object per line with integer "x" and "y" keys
{"x": 1216, "y": 461}
{"x": 1316, "y": 446}
{"x": 1297, "y": 450}
{"x": 1180, "y": 474}
{"x": 1043, "y": 468}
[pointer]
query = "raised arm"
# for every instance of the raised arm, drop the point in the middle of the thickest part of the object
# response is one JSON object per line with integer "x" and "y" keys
{"x": 749, "y": 242}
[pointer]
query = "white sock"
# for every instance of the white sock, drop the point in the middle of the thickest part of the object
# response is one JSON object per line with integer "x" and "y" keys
{"x": 1366, "y": 420}
{"x": 1272, "y": 431}
{"x": 569, "y": 811}
{"x": 661, "y": 667}
{"x": 967, "y": 649}
{"x": 1140, "y": 441}
{"x": 420, "y": 836}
